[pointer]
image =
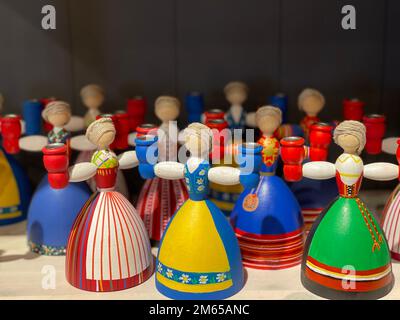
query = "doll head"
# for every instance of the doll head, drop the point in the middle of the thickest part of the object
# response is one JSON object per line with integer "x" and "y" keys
{"x": 58, "y": 113}
{"x": 92, "y": 96}
{"x": 268, "y": 119}
{"x": 167, "y": 108}
{"x": 350, "y": 136}
{"x": 101, "y": 133}
{"x": 311, "y": 101}
{"x": 198, "y": 139}
{"x": 236, "y": 92}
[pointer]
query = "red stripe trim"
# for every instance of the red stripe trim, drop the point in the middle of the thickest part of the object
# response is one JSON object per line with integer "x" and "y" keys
{"x": 344, "y": 273}
{"x": 278, "y": 237}
{"x": 337, "y": 284}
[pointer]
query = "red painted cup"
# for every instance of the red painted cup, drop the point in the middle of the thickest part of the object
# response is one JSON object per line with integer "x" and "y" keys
{"x": 220, "y": 137}
{"x": 376, "y": 128}
{"x": 320, "y": 139}
{"x": 353, "y": 109}
{"x": 136, "y": 109}
{"x": 292, "y": 154}
{"x": 214, "y": 114}
{"x": 122, "y": 130}
{"x": 55, "y": 160}
{"x": 11, "y": 131}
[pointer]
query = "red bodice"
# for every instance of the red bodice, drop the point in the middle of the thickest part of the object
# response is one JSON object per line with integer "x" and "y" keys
{"x": 106, "y": 177}
{"x": 348, "y": 191}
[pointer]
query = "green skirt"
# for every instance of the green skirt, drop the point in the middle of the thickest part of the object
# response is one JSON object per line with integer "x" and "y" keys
{"x": 346, "y": 253}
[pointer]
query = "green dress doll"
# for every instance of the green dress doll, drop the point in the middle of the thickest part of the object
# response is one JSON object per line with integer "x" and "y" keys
{"x": 346, "y": 254}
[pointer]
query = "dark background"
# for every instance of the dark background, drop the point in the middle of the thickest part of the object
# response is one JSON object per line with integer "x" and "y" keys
{"x": 155, "y": 47}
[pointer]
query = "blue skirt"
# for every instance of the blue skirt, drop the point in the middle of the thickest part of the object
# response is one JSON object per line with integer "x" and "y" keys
{"x": 268, "y": 223}
{"x": 51, "y": 216}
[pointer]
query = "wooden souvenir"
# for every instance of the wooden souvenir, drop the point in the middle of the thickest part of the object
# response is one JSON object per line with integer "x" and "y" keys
{"x": 311, "y": 102}
{"x": 48, "y": 226}
{"x": 191, "y": 265}
{"x": 376, "y": 128}
{"x": 119, "y": 256}
{"x": 267, "y": 217}
{"x": 92, "y": 97}
{"x": 159, "y": 198}
{"x": 224, "y": 197}
{"x": 32, "y": 114}
{"x": 346, "y": 255}
{"x": 353, "y": 109}
{"x": 194, "y": 103}
{"x": 136, "y": 109}
{"x": 16, "y": 192}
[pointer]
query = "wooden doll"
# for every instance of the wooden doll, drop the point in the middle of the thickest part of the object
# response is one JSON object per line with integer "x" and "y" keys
{"x": 267, "y": 218}
{"x": 92, "y": 97}
{"x": 52, "y": 212}
{"x": 236, "y": 93}
{"x": 16, "y": 192}
{"x": 311, "y": 102}
{"x": 346, "y": 255}
{"x": 159, "y": 199}
{"x": 108, "y": 247}
{"x": 199, "y": 256}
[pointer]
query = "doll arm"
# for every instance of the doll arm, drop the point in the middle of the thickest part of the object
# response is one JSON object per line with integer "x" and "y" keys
{"x": 82, "y": 171}
{"x": 389, "y": 145}
{"x": 319, "y": 170}
{"x": 169, "y": 170}
{"x": 251, "y": 120}
{"x": 128, "y": 160}
{"x": 33, "y": 143}
{"x": 381, "y": 171}
{"x": 226, "y": 176}
{"x": 75, "y": 124}
{"x": 132, "y": 138}
{"x": 81, "y": 143}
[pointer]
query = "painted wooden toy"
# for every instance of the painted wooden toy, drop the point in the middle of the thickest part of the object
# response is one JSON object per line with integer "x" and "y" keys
{"x": 194, "y": 104}
{"x": 223, "y": 196}
{"x": 108, "y": 247}
{"x": 267, "y": 217}
{"x": 16, "y": 191}
{"x": 346, "y": 255}
{"x": 92, "y": 96}
{"x": 236, "y": 93}
{"x": 49, "y": 225}
{"x": 311, "y": 102}
{"x": 191, "y": 265}
{"x": 308, "y": 191}
{"x": 136, "y": 109}
{"x": 159, "y": 198}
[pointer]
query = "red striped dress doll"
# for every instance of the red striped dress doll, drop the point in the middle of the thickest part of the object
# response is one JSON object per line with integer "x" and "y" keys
{"x": 108, "y": 247}
{"x": 161, "y": 198}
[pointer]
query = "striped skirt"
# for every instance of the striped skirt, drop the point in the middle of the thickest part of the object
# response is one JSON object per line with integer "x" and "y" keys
{"x": 158, "y": 201}
{"x": 391, "y": 223}
{"x": 108, "y": 247}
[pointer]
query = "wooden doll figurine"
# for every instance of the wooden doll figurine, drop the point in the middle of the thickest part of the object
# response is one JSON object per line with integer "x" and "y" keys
{"x": 311, "y": 102}
{"x": 108, "y": 247}
{"x": 236, "y": 93}
{"x": 159, "y": 199}
{"x": 52, "y": 212}
{"x": 92, "y": 97}
{"x": 346, "y": 255}
{"x": 199, "y": 256}
{"x": 267, "y": 218}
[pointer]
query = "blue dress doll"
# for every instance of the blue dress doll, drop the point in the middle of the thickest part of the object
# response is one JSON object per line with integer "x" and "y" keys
{"x": 267, "y": 218}
{"x": 199, "y": 255}
{"x": 52, "y": 212}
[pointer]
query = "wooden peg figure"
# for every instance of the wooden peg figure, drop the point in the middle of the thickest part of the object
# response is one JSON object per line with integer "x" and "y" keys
{"x": 159, "y": 198}
{"x": 119, "y": 256}
{"x": 191, "y": 265}
{"x": 346, "y": 244}
{"x": 311, "y": 102}
{"x": 267, "y": 217}
{"x": 92, "y": 97}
